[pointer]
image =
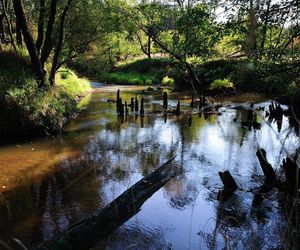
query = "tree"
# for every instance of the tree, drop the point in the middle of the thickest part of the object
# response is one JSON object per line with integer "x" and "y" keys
{"x": 30, "y": 44}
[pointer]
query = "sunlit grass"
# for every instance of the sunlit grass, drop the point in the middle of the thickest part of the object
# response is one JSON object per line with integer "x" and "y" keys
{"x": 71, "y": 84}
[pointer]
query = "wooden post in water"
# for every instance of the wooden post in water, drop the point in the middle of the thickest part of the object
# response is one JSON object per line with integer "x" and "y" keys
{"x": 142, "y": 111}
{"x": 136, "y": 105}
{"x": 126, "y": 108}
{"x": 178, "y": 108}
{"x": 118, "y": 101}
{"x": 192, "y": 102}
{"x": 165, "y": 102}
{"x": 132, "y": 104}
{"x": 190, "y": 120}
{"x": 121, "y": 107}
{"x": 229, "y": 188}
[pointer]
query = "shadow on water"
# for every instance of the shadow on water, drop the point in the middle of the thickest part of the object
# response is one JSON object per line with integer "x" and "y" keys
{"x": 49, "y": 184}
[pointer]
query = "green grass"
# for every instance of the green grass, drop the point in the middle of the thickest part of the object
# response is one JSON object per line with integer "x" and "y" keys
{"x": 140, "y": 72}
{"x": 71, "y": 84}
{"x": 27, "y": 109}
{"x": 221, "y": 83}
{"x": 131, "y": 78}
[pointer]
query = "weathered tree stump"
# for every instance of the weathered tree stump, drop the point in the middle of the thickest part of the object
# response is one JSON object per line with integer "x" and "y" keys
{"x": 126, "y": 108}
{"x": 190, "y": 120}
{"x": 229, "y": 188}
{"x": 142, "y": 111}
{"x": 177, "y": 111}
{"x": 118, "y": 101}
{"x": 165, "y": 102}
{"x": 136, "y": 105}
{"x": 121, "y": 107}
{"x": 132, "y": 104}
{"x": 296, "y": 103}
{"x": 292, "y": 174}
{"x": 193, "y": 102}
{"x": 228, "y": 181}
{"x": 266, "y": 166}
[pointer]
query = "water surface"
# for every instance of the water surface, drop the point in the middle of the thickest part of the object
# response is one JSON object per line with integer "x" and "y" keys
{"x": 50, "y": 183}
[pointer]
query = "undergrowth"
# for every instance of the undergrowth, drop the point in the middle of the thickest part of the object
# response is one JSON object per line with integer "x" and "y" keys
{"x": 27, "y": 110}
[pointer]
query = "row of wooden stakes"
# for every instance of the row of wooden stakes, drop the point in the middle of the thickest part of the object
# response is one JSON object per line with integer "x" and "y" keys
{"x": 123, "y": 109}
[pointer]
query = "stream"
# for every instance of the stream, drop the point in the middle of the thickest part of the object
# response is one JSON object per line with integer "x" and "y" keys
{"x": 50, "y": 183}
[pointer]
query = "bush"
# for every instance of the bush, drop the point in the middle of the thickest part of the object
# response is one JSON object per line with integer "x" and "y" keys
{"x": 168, "y": 81}
{"x": 148, "y": 82}
{"x": 221, "y": 84}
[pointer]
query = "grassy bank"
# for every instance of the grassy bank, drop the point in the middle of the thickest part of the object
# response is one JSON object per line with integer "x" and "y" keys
{"x": 245, "y": 75}
{"x": 132, "y": 72}
{"x": 26, "y": 110}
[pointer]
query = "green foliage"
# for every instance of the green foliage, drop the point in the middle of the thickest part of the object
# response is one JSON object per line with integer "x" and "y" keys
{"x": 221, "y": 83}
{"x": 144, "y": 71}
{"x": 167, "y": 81}
{"x": 130, "y": 78}
{"x": 27, "y": 109}
{"x": 14, "y": 70}
{"x": 71, "y": 84}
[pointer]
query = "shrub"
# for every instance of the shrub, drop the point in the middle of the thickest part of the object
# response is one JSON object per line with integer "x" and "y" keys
{"x": 221, "y": 84}
{"x": 148, "y": 82}
{"x": 168, "y": 81}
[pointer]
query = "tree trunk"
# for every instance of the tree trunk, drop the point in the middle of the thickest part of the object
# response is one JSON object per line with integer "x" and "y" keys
{"x": 30, "y": 44}
{"x": 264, "y": 31}
{"x": 149, "y": 47}
{"x": 59, "y": 44}
{"x": 1, "y": 27}
{"x": 40, "y": 37}
{"x": 19, "y": 37}
{"x": 251, "y": 36}
{"x": 47, "y": 47}
{"x": 86, "y": 233}
{"x": 4, "y": 8}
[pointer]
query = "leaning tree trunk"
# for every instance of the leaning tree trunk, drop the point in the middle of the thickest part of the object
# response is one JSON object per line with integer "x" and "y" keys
{"x": 30, "y": 44}
{"x": 40, "y": 37}
{"x": 47, "y": 46}
{"x": 59, "y": 44}
{"x": 19, "y": 37}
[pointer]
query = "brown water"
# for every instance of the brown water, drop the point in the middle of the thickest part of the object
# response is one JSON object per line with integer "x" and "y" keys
{"x": 48, "y": 184}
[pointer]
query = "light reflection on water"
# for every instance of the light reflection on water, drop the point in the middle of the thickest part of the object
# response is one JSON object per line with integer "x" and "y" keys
{"x": 49, "y": 184}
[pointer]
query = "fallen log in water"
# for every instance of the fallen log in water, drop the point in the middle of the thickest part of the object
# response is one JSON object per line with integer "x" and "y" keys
{"x": 88, "y": 232}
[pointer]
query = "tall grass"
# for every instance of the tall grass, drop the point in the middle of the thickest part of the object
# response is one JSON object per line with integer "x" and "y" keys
{"x": 25, "y": 108}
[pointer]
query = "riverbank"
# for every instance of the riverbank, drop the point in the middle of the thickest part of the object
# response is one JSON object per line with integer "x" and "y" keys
{"x": 262, "y": 77}
{"x": 27, "y": 111}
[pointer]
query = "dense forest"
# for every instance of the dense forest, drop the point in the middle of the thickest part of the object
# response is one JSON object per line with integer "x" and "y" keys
{"x": 62, "y": 63}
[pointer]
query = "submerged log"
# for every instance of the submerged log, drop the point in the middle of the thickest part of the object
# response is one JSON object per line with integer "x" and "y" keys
{"x": 86, "y": 233}
{"x": 266, "y": 166}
